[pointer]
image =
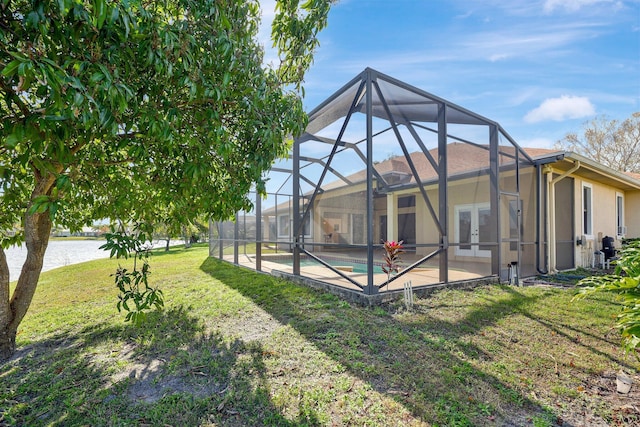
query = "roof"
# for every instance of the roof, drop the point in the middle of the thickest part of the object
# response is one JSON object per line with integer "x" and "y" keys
{"x": 468, "y": 159}
{"x": 389, "y": 95}
{"x": 634, "y": 175}
{"x": 591, "y": 170}
{"x": 462, "y": 159}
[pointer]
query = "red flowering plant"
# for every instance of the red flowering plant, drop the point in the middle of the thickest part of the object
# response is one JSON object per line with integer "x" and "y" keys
{"x": 392, "y": 251}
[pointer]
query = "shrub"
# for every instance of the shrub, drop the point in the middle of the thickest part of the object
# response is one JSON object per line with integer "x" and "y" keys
{"x": 625, "y": 283}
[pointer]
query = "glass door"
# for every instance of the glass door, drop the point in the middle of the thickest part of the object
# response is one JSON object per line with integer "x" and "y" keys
{"x": 472, "y": 228}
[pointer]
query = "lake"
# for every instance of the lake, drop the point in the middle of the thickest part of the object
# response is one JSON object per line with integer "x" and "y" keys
{"x": 65, "y": 252}
{"x": 59, "y": 253}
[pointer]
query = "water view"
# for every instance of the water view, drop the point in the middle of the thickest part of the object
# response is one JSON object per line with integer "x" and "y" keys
{"x": 59, "y": 253}
{"x": 65, "y": 252}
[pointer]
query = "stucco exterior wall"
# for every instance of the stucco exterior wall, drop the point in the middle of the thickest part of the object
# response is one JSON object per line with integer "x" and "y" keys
{"x": 474, "y": 191}
{"x": 632, "y": 213}
{"x": 604, "y": 222}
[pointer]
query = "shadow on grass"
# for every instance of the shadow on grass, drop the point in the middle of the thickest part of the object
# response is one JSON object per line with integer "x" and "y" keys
{"x": 422, "y": 365}
{"x": 160, "y": 251}
{"x": 518, "y": 303}
{"x": 165, "y": 372}
{"x": 574, "y": 334}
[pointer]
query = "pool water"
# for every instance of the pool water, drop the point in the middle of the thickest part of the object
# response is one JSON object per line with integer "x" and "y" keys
{"x": 358, "y": 267}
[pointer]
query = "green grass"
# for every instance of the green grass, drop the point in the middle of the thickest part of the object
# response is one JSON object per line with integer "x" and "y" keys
{"x": 238, "y": 348}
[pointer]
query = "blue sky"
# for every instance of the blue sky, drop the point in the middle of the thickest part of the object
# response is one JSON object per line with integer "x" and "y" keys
{"x": 541, "y": 68}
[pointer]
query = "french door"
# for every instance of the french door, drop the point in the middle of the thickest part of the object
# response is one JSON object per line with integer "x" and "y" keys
{"x": 472, "y": 228}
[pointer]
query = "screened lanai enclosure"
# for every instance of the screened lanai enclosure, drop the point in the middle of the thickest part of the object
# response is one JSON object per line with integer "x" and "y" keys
{"x": 381, "y": 160}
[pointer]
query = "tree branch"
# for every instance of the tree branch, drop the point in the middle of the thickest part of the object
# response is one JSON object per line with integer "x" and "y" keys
{"x": 15, "y": 98}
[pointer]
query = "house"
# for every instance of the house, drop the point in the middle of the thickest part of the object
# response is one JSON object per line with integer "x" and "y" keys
{"x": 382, "y": 160}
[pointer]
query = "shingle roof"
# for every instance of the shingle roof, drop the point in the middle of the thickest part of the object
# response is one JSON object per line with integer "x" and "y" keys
{"x": 461, "y": 158}
{"x": 634, "y": 175}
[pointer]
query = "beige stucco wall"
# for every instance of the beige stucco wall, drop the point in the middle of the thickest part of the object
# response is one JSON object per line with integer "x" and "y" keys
{"x": 469, "y": 192}
{"x": 603, "y": 217}
{"x": 476, "y": 191}
{"x": 632, "y": 213}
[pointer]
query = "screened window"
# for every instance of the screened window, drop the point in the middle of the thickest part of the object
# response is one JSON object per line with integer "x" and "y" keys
{"x": 587, "y": 210}
{"x": 620, "y": 215}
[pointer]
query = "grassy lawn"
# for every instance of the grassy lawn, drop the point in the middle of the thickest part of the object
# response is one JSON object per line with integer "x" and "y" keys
{"x": 238, "y": 348}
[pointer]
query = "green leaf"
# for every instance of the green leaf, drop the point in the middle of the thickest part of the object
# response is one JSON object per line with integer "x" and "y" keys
{"x": 11, "y": 68}
{"x": 39, "y": 205}
{"x": 12, "y": 140}
{"x": 64, "y": 183}
{"x": 53, "y": 209}
{"x": 25, "y": 67}
{"x": 100, "y": 12}
{"x": 89, "y": 86}
{"x": 96, "y": 77}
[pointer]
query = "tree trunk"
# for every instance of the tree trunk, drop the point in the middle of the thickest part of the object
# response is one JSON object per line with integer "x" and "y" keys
{"x": 7, "y": 343}
{"x": 166, "y": 249}
{"x": 187, "y": 241}
{"x": 37, "y": 228}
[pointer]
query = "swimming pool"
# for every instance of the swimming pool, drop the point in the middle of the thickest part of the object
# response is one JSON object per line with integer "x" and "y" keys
{"x": 358, "y": 267}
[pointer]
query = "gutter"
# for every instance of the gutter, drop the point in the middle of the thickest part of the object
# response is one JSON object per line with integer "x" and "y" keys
{"x": 539, "y": 163}
{"x": 538, "y": 215}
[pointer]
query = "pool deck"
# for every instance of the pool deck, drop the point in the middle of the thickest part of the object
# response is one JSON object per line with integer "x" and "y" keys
{"x": 419, "y": 277}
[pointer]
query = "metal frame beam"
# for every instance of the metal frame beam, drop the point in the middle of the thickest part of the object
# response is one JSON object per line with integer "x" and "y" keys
{"x": 370, "y": 288}
{"x": 333, "y": 152}
{"x": 443, "y": 192}
{"x": 370, "y": 87}
{"x": 494, "y": 198}
{"x": 407, "y": 156}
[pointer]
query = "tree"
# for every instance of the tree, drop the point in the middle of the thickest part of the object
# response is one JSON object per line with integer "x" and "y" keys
{"x": 141, "y": 110}
{"x": 165, "y": 231}
{"x": 609, "y": 142}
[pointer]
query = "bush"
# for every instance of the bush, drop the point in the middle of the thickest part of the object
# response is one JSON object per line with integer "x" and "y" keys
{"x": 624, "y": 282}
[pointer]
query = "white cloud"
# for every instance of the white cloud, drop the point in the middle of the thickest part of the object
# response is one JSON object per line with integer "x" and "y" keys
{"x": 572, "y": 5}
{"x": 525, "y": 41}
{"x": 498, "y": 56}
{"x": 522, "y": 95}
{"x": 464, "y": 15}
{"x": 559, "y": 109}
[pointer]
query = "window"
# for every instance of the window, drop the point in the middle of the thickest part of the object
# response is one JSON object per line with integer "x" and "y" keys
{"x": 406, "y": 202}
{"x": 383, "y": 228}
{"x": 306, "y": 228}
{"x": 407, "y": 228}
{"x": 283, "y": 226}
{"x": 587, "y": 210}
{"x": 621, "y": 229}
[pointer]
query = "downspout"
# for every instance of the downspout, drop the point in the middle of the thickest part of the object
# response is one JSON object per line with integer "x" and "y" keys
{"x": 551, "y": 209}
{"x": 538, "y": 227}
